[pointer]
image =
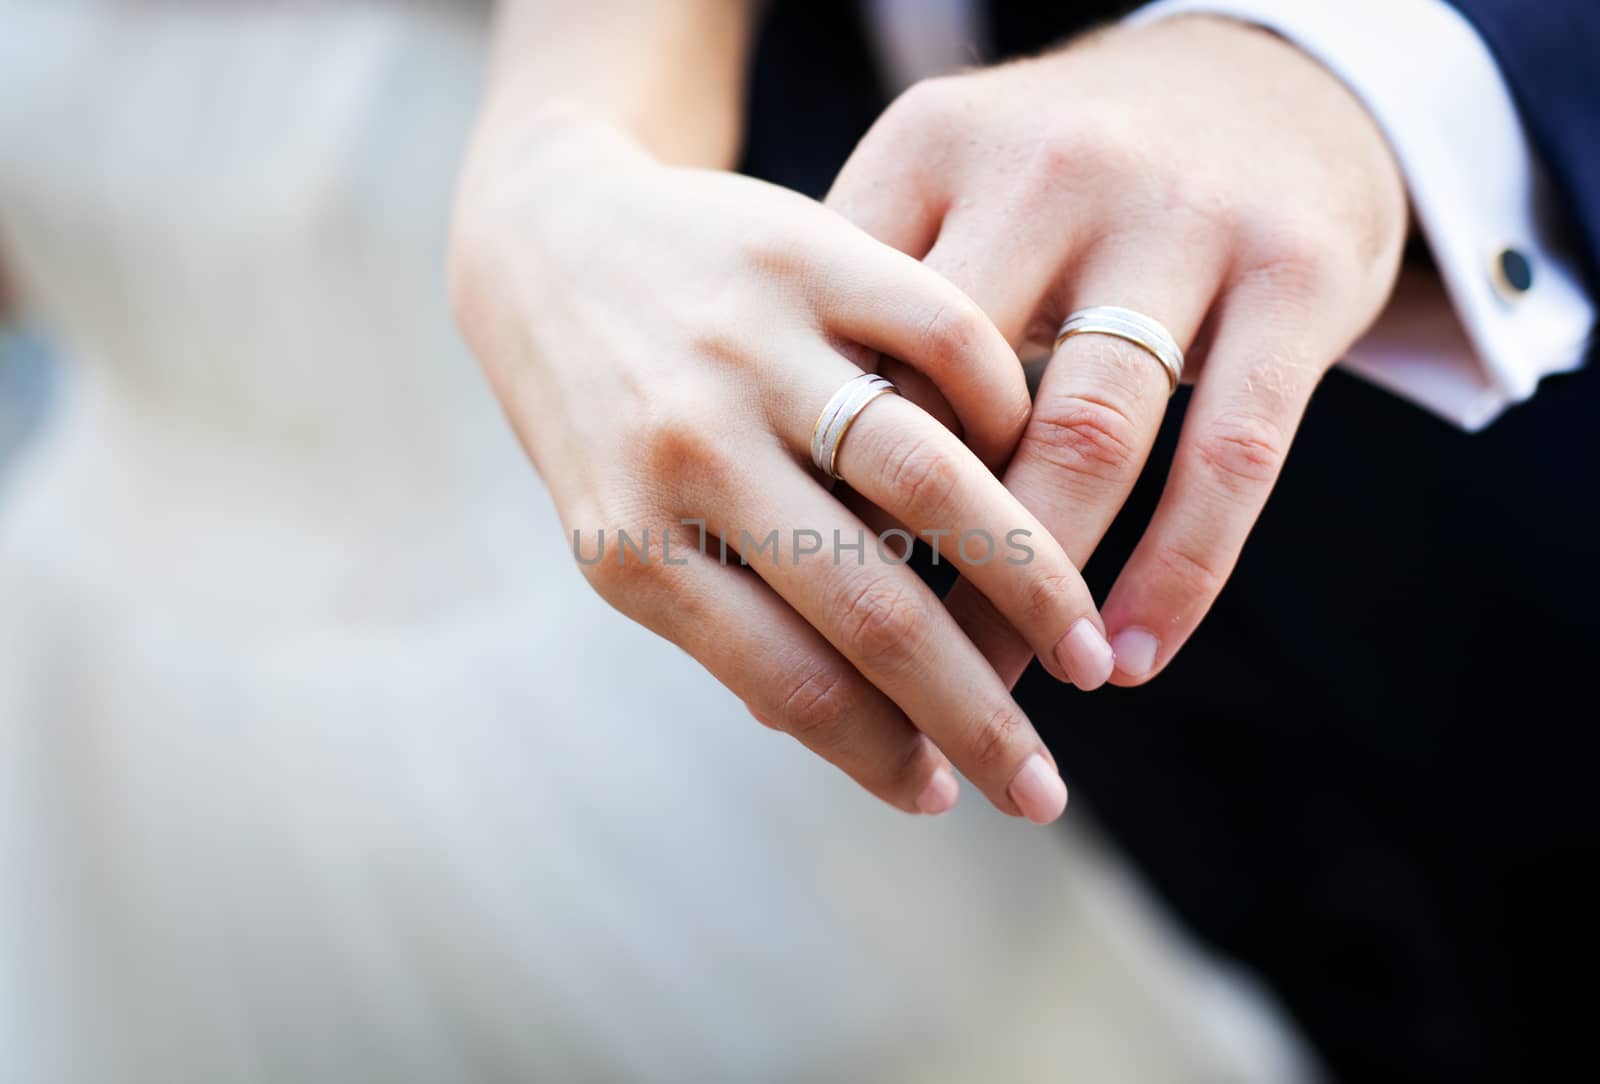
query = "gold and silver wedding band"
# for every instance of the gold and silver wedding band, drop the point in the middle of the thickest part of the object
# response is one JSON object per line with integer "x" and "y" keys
{"x": 1135, "y": 327}
{"x": 840, "y": 414}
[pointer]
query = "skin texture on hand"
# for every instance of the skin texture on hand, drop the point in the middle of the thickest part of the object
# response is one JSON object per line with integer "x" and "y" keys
{"x": 1197, "y": 170}
{"x": 663, "y": 339}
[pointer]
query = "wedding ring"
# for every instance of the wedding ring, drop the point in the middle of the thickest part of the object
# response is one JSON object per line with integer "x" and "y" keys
{"x": 1134, "y": 327}
{"x": 840, "y": 414}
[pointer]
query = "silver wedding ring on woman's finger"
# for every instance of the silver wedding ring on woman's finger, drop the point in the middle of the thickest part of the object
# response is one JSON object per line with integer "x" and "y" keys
{"x": 1134, "y": 327}
{"x": 840, "y": 414}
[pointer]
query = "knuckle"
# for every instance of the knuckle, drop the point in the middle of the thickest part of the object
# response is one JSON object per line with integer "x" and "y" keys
{"x": 921, "y": 484}
{"x": 925, "y": 101}
{"x": 1046, "y": 594}
{"x": 777, "y": 255}
{"x": 1051, "y": 171}
{"x": 1300, "y": 262}
{"x": 1086, "y": 436}
{"x": 1056, "y": 158}
{"x": 615, "y": 569}
{"x": 884, "y": 624}
{"x": 925, "y": 112}
{"x": 990, "y": 742}
{"x": 604, "y": 575}
{"x": 713, "y": 338}
{"x": 1243, "y": 452}
{"x": 816, "y": 704}
{"x": 1198, "y": 575}
{"x": 954, "y": 333}
{"x": 1276, "y": 383}
{"x": 1195, "y": 208}
{"x": 682, "y": 444}
{"x": 1096, "y": 142}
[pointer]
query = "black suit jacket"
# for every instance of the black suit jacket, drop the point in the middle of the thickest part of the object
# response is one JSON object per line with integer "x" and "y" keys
{"x": 1369, "y": 775}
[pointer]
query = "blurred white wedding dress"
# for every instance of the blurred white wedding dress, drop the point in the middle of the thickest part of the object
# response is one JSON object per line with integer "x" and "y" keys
{"x": 318, "y": 759}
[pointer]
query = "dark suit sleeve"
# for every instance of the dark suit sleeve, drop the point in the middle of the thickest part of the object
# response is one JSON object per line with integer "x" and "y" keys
{"x": 1549, "y": 51}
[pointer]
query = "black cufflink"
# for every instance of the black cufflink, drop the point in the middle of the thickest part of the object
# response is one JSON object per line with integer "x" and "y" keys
{"x": 1511, "y": 272}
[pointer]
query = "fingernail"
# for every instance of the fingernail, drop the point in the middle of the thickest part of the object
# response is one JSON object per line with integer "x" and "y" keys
{"x": 1084, "y": 654}
{"x": 939, "y": 796}
{"x": 1135, "y": 651}
{"x": 1038, "y": 790}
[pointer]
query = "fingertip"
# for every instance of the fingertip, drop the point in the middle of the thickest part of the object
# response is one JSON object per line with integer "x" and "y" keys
{"x": 1135, "y": 650}
{"x": 1085, "y": 656}
{"x": 940, "y": 793}
{"x": 1038, "y": 790}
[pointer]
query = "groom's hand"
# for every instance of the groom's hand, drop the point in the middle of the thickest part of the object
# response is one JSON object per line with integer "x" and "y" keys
{"x": 1199, "y": 171}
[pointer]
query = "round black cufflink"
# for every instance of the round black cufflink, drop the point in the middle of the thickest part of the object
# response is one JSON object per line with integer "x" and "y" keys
{"x": 1511, "y": 272}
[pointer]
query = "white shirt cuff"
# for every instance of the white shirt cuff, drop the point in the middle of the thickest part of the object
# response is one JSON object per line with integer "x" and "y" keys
{"x": 1476, "y": 187}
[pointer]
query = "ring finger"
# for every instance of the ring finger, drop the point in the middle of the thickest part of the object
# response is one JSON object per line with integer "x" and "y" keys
{"x": 1096, "y": 416}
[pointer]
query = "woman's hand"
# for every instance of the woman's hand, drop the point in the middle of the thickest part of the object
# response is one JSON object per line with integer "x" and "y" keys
{"x": 1199, "y": 171}
{"x": 663, "y": 340}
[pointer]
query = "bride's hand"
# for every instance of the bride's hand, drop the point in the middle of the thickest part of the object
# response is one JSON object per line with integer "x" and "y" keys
{"x": 663, "y": 340}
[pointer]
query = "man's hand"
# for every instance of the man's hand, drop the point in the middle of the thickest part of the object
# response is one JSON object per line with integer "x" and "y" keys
{"x": 1200, "y": 171}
